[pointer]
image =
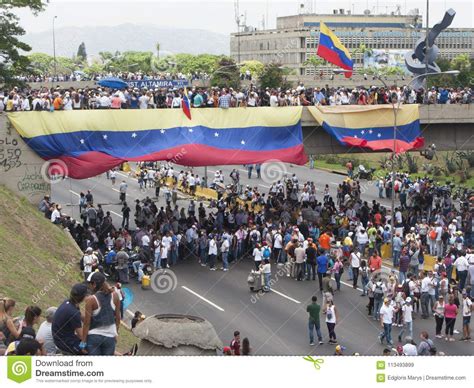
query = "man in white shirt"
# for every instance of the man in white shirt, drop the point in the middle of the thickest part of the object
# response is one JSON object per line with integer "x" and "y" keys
{"x": 409, "y": 349}
{"x": 407, "y": 311}
{"x": 462, "y": 266}
{"x": 56, "y": 215}
{"x": 143, "y": 101}
{"x": 257, "y": 255}
{"x": 277, "y": 245}
{"x": 425, "y": 297}
{"x": 386, "y": 319}
{"x": 212, "y": 252}
{"x": 355, "y": 264}
{"x": 467, "y": 308}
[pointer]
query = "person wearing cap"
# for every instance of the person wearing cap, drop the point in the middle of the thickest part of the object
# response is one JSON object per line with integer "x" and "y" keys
{"x": 101, "y": 319}
{"x": 386, "y": 319}
{"x": 407, "y": 319}
{"x": 45, "y": 334}
{"x": 66, "y": 325}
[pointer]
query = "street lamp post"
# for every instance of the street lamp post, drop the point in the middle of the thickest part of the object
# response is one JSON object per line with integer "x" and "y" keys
{"x": 54, "y": 49}
{"x": 395, "y": 108}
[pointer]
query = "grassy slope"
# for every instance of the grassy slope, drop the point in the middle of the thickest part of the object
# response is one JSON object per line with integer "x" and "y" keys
{"x": 38, "y": 260}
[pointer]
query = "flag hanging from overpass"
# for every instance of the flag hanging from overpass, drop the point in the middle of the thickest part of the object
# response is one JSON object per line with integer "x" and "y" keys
{"x": 372, "y": 126}
{"x": 90, "y": 142}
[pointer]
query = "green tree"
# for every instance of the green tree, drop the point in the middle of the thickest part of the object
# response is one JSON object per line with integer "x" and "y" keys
{"x": 227, "y": 74}
{"x": 157, "y": 46}
{"x": 12, "y": 61}
{"x": 40, "y": 63}
{"x": 255, "y": 67}
{"x": 315, "y": 62}
{"x": 273, "y": 76}
{"x": 81, "y": 52}
{"x": 461, "y": 63}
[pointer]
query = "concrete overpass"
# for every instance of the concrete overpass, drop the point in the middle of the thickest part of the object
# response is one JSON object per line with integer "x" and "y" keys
{"x": 450, "y": 127}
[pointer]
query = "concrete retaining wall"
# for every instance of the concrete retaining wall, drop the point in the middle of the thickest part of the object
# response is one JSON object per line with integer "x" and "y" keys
{"x": 20, "y": 167}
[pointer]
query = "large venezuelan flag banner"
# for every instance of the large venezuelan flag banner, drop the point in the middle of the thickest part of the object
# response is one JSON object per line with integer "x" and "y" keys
{"x": 332, "y": 50}
{"x": 91, "y": 142}
{"x": 372, "y": 126}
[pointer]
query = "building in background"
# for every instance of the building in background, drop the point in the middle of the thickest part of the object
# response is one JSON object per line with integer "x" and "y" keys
{"x": 387, "y": 37}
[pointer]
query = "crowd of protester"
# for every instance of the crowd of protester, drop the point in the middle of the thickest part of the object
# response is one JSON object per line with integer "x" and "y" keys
{"x": 296, "y": 227}
{"x": 40, "y": 99}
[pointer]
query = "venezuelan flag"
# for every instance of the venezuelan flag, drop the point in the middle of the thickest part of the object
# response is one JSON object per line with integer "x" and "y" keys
{"x": 372, "y": 126}
{"x": 332, "y": 50}
{"x": 94, "y": 141}
{"x": 185, "y": 104}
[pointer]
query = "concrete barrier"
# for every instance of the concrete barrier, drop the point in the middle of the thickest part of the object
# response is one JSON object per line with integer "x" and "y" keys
{"x": 20, "y": 167}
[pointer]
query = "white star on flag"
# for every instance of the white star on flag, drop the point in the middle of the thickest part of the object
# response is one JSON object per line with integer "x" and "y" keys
{"x": 82, "y": 141}
{"x": 356, "y": 136}
{"x": 362, "y": 132}
{"x": 379, "y": 135}
{"x": 242, "y": 142}
{"x": 134, "y": 135}
{"x": 216, "y": 134}
{"x": 370, "y": 131}
{"x": 162, "y": 131}
{"x": 105, "y": 137}
{"x": 190, "y": 130}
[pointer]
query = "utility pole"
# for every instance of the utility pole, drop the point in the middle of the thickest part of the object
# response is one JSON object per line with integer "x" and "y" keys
{"x": 54, "y": 49}
{"x": 427, "y": 48}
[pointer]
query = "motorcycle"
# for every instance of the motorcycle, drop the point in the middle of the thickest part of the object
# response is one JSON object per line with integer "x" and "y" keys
{"x": 363, "y": 173}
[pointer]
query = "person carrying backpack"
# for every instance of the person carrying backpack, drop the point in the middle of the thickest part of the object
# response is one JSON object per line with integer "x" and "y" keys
{"x": 379, "y": 289}
{"x": 426, "y": 346}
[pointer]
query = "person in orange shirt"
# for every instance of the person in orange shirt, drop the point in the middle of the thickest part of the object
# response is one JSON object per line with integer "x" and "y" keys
{"x": 58, "y": 101}
{"x": 325, "y": 241}
{"x": 375, "y": 262}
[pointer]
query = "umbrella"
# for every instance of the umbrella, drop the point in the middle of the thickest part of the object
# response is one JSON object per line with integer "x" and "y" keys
{"x": 114, "y": 83}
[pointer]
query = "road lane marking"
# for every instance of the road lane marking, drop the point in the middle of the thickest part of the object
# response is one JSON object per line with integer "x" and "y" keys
{"x": 73, "y": 192}
{"x": 351, "y": 286}
{"x": 285, "y": 296}
{"x": 201, "y": 297}
{"x": 114, "y": 189}
{"x": 334, "y": 183}
{"x": 267, "y": 187}
{"x": 119, "y": 215}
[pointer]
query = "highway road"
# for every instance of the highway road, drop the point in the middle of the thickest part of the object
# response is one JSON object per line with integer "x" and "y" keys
{"x": 275, "y": 322}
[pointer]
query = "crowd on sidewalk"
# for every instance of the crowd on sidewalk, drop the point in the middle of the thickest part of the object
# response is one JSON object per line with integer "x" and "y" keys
{"x": 54, "y": 99}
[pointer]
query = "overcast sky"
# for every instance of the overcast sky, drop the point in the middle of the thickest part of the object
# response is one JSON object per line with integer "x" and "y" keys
{"x": 217, "y": 15}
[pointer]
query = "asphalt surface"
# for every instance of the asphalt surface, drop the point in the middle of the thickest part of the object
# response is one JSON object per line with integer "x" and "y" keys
{"x": 275, "y": 322}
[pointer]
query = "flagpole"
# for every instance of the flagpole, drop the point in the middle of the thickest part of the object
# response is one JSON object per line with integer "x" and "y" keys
{"x": 395, "y": 112}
